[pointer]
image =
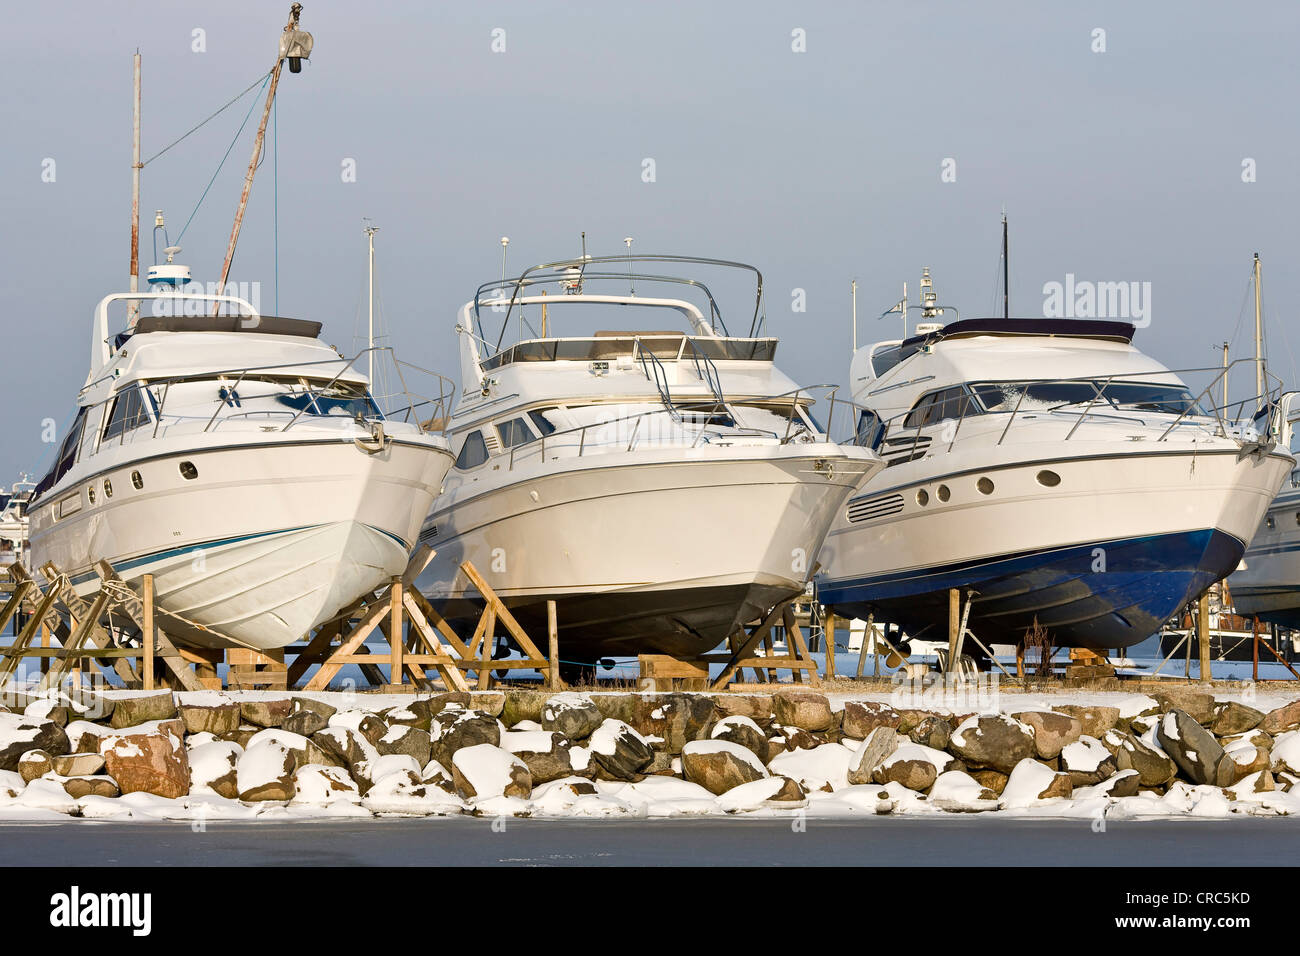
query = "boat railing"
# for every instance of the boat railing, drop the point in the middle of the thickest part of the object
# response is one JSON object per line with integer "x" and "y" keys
{"x": 1226, "y": 417}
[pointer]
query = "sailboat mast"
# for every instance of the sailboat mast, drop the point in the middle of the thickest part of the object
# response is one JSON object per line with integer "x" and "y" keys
{"x": 370, "y": 323}
{"x": 853, "y": 289}
{"x": 1006, "y": 271}
{"x": 1259, "y": 334}
{"x": 133, "y": 311}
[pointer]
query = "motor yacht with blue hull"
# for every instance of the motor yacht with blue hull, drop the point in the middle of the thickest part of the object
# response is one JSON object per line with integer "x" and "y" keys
{"x": 662, "y": 487}
{"x": 1053, "y": 471}
{"x": 243, "y": 463}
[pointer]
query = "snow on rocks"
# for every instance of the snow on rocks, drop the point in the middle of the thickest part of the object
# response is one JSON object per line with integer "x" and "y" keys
{"x": 994, "y": 741}
{"x": 804, "y": 709}
{"x": 20, "y": 733}
{"x": 1052, "y": 731}
{"x": 742, "y": 730}
{"x": 213, "y": 768}
{"x": 618, "y": 751}
{"x": 1199, "y": 756}
{"x": 1031, "y": 782}
{"x": 572, "y": 715}
{"x": 547, "y": 754}
{"x": 914, "y": 766}
{"x": 1286, "y": 717}
{"x": 1087, "y": 761}
{"x": 720, "y": 765}
{"x": 265, "y": 771}
{"x": 148, "y": 758}
{"x": 1286, "y": 752}
{"x": 960, "y": 793}
{"x": 208, "y": 711}
{"x": 819, "y": 768}
{"x": 879, "y": 745}
{"x": 485, "y": 770}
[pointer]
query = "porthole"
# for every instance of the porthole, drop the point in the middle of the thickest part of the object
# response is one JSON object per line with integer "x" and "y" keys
{"x": 188, "y": 471}
{"x": 922, "y": 497}
{"x": 136, "y": 480}
{"x": 944, "y": 493}
{"x": 1048, "y": 479}
{"x": 985, "y": 486}
{"x": 91, "y": 492}
{"x": 108, "y": 488}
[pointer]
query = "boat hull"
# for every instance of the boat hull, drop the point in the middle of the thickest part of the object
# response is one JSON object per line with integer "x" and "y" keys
{"x": 1101, "y": 559}
{"x": 1268, "y": 586}
{"x": 267, "y": 542}
{"x": 648, "y": 555}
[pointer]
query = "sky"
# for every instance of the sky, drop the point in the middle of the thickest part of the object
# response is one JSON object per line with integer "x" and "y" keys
{"x": 820, "y": 141}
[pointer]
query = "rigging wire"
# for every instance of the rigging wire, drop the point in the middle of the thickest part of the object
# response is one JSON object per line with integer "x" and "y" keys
{"x": 221, "y": 164}
{"x": 261, "y": 79}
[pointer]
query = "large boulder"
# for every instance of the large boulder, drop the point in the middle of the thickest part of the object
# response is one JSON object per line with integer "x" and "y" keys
{"x": 92, "y": 786}
{"x": 670, "y": 721}
{"x": 1052, "y": 731}
{"x": 757, "y": 708}
{"x": 483, "y": 771}
{"x": 523, "y": 704}
{"x": 1286, "y": 753}
{"x": 878, "y": 747}
{"x": 1096, "y": 720}
{"x": 1153, "y": 766}
{"x": 309, "y": 716}
{"x": 266, "y": 712}
{"x": 958, "y": 792}
{"x": 913, "y": 766}
{"x": 547, "y": 754}
{"x": 1031, "y": 781}
{"x": 719, "y": 765}
{"x": 1251, "y": 752}
{"x": 1199, "y": 756}
{"x": 35, "y": 764}
{"x": 994, "y": 741}
{"x": 320, "y": 785}
{"x": 19, "y": 734}
{"x": 265, "y": 771}
{"x": 1197, "y": 704}
{"x": 208, "y": 711}
{"x": 805, "y": 709}
{"x": 932, "y": 731}
{"x": 618, "y": 751}
{"x": 862, "y": 717}
{"x": 213, "y": 768}
{"x": 148, "y": 759}
{"x": 346, "y": 746}
{"x": 453, "y": 729}
{"x": 371, "y": 726}
{"x": 78, "y": 765}
{"x": 573, "y": 715}
{"x": 1087, "y": 761}
{"x": 406, "y": 739}
{"x": 143, "y": 709}
{"x": 1232, "y": 718}
{"x": 743, "y": 731}
{"x": 1286, "y": 717}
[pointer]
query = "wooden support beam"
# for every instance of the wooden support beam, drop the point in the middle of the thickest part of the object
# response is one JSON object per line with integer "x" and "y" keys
{"x": 1203, "y": 635}
{"x": 553, "y": 648}
{"x": 729, "y": 671}
{"x": 396, "y": 642}
{"x": 954, "y": 628}
{"x": 829, "y": 631}
{"x": 148, "y": 628}
{"x": 131, "y": 605}
{"x": 794, "y": 633}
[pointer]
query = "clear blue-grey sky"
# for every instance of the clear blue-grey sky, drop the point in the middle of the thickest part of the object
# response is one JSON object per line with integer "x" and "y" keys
{"x": 817, "y": 166}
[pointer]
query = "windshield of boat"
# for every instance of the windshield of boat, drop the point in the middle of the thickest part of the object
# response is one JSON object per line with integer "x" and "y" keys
{"x": 1122, "y": 396}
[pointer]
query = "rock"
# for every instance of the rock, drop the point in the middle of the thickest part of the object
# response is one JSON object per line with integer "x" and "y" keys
{"x": 401, "y": 739}
{"x": 572, "y": 715}
{"x": 213, "y": 769}
{"x": 992, "y": 741}
{"x": 1232, "y": 718}
{"x": 265, "y": 771}
{"x": 482, "y": 771}
{"x": 663, "y": 764}
{"x": 305, "y": 722}
{"x": 1286, "y": 753}
{"x": 1154, "y": 767}
{"x": 862, "y": 717}
{"x": 910, "y": 719}
{"x": 1052, "y": 731}
{"x": 796, "y": 739}
{"x": 304, "y": 749}
{"x": 454, "y": 729}
{"x": 83, "y": 736}
{"x": 670, "y": 721}
{"x": 148, "y": 761}
{"x": 879, "y": 746}
{"x": 321, "y": 785}
{"x": 34, "y": 764}
{"x": 719, "y": 765}
{"x": 1031, "y": 781}
{"x": 743, "y": 731}
{"x": 1125, "y": 783}
{"x": 618, "y": 751}
{"x": 208, "y": 712}
{"x": 546, "y": 753}
{"x": 1087, "y": 761}
{"x": 89, "y": 786}
{"x": 804, "y": 709}
{"x": 1251, "y": 752}
{"x": 19, "y": 734}
{"x": 132, "y": 711}
{"x": 1259, "y": 782}
{"x": 1197, "y": 704}
{"x": 1198, "y": 755}
{"x": 349, "y": 747}
{"x": 957, "y": 792}
{"x": 243, "y": 735}
{"x": 1095, "y": 720}
{"x": 995, "y": 780}
{"x": 756, "y": 708}
{"x": 933, "y": 732}
{"x": 1286, "y": 717}
{"x": 369, "y": 725}
{"x": 490, "y": 702}
{"x": 778, "y": 793}
{"x": 521, "y": 704}
{"x": 310, "y": 705}
{"x": 266, "y": 713}
{"x": 408, "y": 717}
{"x": 78, "y": 765}
{"x": 49, "y": 708}
{"x": 914, "y": 766}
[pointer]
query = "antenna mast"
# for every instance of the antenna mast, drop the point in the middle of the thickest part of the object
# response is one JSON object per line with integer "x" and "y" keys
{"x": 1006, "y": 291}
{"x": 134, "y": 310}
{"x": 1259, "y": 333}
{"x": 370, "y": 333}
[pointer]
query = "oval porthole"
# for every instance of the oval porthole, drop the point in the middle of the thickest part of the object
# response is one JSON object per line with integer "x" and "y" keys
{"x": 136, "y": 480}
{"x": 188, "y": 471}
{"x": 91, "y": 492}
{"x": 922, "y": 497}
{"x": 108, "y": 488}
{"x": 985, "y": 486}
{"x": 944, "y": 493}
{"x": 1048, "y": 479}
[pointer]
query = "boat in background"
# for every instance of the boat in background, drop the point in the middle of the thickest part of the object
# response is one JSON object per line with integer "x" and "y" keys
{"x": 1053, "y": 470}
{"x": 662, "y": 487}
{"x": 1267, "y": 585}
{"x": 14, "y": 524}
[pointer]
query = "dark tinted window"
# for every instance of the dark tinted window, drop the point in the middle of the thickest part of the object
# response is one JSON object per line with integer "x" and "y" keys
{"x": 514, "y": 432}
{"x": 540, "y": 421}
{"x": 127, "y": 415}
{"x": 473, "y": 453}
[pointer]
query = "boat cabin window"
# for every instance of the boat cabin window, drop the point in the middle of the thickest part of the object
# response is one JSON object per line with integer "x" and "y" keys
{"x": 1126, "y": 396}
{"x": 473, "y": 453}
{"x": 940, "y": 405}
{"x": 67, "y": 456}
{"x": 127, "y": 415}
{"x": 337, "y": 398}
{"x": 543, "y": 424}
{"x": 870, "y": 430}
{"x": 514, "y": 432}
